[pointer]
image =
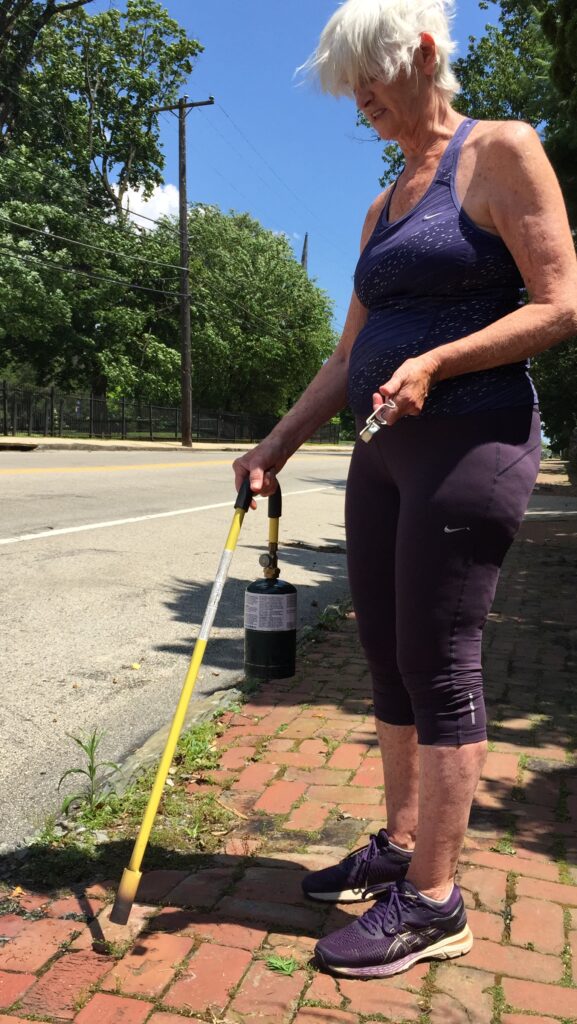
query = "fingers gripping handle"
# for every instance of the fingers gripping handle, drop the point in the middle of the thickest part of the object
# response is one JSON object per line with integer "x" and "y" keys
{"x": 245, "y": 496}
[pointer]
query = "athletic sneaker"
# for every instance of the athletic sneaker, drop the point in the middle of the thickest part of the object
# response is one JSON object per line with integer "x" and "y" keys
{"x": 347, "y": 882}
{"x": 401, "y": 928}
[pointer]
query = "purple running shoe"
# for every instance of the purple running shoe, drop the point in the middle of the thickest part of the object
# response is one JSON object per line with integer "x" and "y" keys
{"x": 347, "y": 882}
{"x": 400, "y": 929}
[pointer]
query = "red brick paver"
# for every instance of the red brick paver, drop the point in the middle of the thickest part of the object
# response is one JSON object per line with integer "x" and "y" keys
{"x": 522, "y": 1018}
{"x": 105, "y": 1009}
{"x": 208, "y": 979}
{"x": 318, "y": 1015}
{"x": 68, "y": 981}
{"x": 280, "y": 797}
{"x": 538, "y": 923}
{"x": 149, "y": 967}
{"x": 35, "y": 944}
{"x": 13, "y": 986}
{"x": 380, "y": 997}
{"x": 267, "y": 997}
{"x": 532, "y": 995}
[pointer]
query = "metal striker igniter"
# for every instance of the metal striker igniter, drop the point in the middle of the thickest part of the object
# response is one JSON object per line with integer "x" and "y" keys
{"x": 376, "y": 420}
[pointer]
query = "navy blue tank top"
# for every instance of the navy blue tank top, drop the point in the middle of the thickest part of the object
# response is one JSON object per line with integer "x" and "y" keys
{"x": 429, "y": 278}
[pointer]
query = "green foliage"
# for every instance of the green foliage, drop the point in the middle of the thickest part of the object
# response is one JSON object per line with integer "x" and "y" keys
{"x": 21, "y": 24}
{"x": 74, "y": 309}
{"x": 256, "y": 316}
{"x": 257, "y": 319}
{"x": 55, "y": 320}
{"x": 87, "y": 100}
{"x": 505, "y": 74}
{"x": 196, "y": 750}
{"x": 95, "y": 798}
{"x": 282, "y": 964}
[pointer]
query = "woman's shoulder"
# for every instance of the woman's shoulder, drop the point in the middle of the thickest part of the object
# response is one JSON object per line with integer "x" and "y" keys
{"x": 500, "y": 152}
{"x": 504, "y": 136}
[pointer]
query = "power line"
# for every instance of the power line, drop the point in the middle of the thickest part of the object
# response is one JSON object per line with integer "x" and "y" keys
{"x": 165, "y": 222}
{"x": 275, "y": 190}
{"x": 174, "y": 230}
{"x": 272, "y": 170}
{"x": 88, "y": 245}
{"x": 27, "y": 257}
{"x": 172, "y": 266}
{"x": 278, "y": 177}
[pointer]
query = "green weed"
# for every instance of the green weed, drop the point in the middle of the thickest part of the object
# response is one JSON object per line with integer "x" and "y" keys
{"x": 196, "y": 750}
{"x": 505, "y": 845}
{"x": 282, "y": 964}
{"x": 97, "y": 797}
{"x": 117, "y": 950}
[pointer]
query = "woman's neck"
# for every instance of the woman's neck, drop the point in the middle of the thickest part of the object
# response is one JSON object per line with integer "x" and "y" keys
{"x": 425, "y": 140}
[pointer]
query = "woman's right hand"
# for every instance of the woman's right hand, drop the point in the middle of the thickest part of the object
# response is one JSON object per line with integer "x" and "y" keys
{"x": 261, "y": 465}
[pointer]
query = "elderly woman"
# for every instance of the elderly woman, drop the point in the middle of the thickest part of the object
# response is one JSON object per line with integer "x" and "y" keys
{"x": 437, "y": 337}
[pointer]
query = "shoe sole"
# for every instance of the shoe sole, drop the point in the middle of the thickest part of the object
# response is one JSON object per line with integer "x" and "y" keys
{"x": 447, "y": 949}
{"x": 344, "y": 896}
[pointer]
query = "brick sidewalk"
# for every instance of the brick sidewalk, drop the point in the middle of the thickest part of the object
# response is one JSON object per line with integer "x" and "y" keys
{"x": 301, "y": 768}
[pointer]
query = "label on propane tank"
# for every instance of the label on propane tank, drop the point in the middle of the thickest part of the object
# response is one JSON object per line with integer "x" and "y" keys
{"x": 270, "y": 613}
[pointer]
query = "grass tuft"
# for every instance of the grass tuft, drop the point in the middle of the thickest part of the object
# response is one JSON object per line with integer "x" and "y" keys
{"x": 282, "y": 964}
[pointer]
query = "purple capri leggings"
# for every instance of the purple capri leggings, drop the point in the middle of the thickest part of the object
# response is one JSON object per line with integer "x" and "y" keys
{"x": 433, "y": 505}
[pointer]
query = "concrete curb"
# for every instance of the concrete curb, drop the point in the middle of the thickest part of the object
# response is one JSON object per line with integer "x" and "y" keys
{"x": 97, "y": 445}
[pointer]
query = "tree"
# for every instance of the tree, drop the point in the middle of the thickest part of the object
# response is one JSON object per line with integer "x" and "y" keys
{"x": 559, "y": 23}
{"x": 62, "y": 303}
{"x": 87, "y": 100}
{"x": 86, "y": 303}
{"x": 21, "y": 22}
{"x": 524, "y": 69}
{"x": 260, "y": 327}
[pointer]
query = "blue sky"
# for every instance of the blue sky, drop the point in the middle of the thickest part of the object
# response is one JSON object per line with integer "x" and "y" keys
{"x": 312, "y": 170}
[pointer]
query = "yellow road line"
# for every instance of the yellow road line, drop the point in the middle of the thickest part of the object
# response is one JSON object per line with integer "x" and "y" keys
{"x": 30, "y": 471}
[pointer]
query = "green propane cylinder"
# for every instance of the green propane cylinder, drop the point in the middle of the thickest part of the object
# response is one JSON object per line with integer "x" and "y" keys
{"x": 270, "y": 629}
{"x": 270, "y": 612}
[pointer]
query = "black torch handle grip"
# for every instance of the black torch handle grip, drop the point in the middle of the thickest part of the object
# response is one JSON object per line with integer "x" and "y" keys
{"x": 245, "y": 496}
{"x": 275, "y": 504}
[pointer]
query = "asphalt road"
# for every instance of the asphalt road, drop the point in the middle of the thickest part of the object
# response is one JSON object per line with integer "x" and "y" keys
{"x": 107, "y": 560}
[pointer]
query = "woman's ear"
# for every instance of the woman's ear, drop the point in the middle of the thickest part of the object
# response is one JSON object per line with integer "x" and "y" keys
{"x": 428, "y": 51}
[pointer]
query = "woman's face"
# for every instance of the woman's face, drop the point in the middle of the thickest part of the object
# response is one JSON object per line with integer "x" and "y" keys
{"x": 391, "y": 107}
{"x": 397, "y": 108}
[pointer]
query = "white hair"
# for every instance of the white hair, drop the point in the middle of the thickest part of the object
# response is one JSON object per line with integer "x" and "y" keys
{"x": 369, "y": 40}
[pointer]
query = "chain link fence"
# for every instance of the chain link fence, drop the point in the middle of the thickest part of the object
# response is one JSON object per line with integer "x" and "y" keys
{"x": 31, "y": 412}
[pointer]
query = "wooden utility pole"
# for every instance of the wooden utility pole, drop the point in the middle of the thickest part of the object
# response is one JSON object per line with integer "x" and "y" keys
{"x": 305, "y": 255}
{"x": 183, "y": 108}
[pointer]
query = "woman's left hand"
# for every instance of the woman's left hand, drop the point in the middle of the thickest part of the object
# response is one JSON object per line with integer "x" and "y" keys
{"x": 408, "y": 388}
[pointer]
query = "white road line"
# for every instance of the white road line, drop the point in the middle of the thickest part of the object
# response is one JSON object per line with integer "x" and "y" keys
{"x": 556, "y": 513}
{"x": 141, "y": 519}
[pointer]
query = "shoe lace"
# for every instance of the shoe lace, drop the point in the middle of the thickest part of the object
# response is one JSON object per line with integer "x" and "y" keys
{"x": 364, "y": 856}
{"x": 386, "y": 916}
